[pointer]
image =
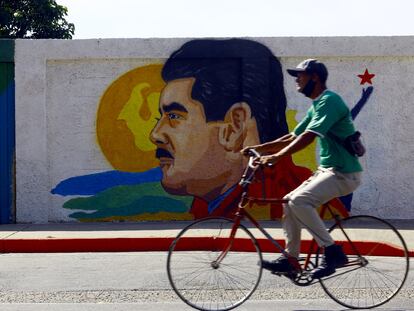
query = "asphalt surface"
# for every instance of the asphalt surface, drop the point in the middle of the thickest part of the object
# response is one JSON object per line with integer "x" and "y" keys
{"x": 137, "y": 281}
{"x": 121, "y": 266}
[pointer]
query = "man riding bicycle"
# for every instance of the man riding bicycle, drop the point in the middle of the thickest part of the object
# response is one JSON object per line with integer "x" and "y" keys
{"x": 329, "y": 120}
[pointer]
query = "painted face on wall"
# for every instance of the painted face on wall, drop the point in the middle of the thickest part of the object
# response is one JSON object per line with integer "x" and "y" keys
{"x": 191, "y": 157}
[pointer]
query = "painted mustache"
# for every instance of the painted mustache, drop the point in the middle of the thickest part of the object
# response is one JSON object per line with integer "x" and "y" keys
{"x": 162, "y": 153}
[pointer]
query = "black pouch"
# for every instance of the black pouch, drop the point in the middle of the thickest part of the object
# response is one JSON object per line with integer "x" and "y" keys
{"x": 352, "y": 143}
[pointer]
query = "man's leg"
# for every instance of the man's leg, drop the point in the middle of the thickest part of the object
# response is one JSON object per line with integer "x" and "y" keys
{"x": 292, "y": 230}
{"x": 291, "y": 224}
{"x": 323, "y": 186}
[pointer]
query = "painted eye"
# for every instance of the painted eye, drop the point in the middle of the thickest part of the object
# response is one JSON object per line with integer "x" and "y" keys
{"x": 173, "y": 116}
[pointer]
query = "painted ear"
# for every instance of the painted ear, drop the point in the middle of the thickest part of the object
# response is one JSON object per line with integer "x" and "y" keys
{"x": 234, "y": 129}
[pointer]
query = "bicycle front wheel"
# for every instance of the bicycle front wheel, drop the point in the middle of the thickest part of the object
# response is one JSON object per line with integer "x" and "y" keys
{"x": 199, "y": 276}
{"x": 378, "y": 263}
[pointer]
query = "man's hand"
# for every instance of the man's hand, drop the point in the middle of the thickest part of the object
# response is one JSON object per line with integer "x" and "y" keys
{"x": 245, "y": 151}
{"x": 268, "y": 160}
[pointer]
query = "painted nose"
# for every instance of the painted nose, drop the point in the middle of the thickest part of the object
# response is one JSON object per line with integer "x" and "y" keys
{"x": 157, "y": 135}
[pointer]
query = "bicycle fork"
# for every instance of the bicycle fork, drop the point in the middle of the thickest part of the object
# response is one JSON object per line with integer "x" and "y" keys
{"x": 216, "y": 263}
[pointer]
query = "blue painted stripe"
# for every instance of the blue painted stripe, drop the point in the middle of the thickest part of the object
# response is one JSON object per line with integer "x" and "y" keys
{"x": 7, "y": 145}
{"x": 95, "y": 183}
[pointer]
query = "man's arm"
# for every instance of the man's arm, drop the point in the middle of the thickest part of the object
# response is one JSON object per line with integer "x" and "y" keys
{"x": 272, "y": 146}
{"x": 298, "y": 143}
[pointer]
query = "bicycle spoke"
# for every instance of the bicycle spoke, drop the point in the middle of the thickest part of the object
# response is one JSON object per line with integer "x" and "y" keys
{"x": 232, "y": 279}
{"x": 200, "y": 283}
{"x": 389, "y": 277}
{"x": 379, "y": 279}
{"x": 194, "y": 274}
{"x": 236, "y": 269}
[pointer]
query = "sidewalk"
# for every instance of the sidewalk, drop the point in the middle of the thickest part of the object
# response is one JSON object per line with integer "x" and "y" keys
{"x": 124, "y": 237}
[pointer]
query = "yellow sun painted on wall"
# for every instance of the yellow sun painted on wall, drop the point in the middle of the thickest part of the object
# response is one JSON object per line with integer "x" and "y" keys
{"x": 126, "y": 115}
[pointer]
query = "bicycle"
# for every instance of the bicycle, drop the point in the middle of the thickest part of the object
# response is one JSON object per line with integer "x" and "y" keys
{"x": 215, "y": 263}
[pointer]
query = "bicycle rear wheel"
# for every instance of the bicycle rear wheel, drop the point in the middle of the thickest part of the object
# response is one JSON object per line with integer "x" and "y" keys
{"x": 203, "y": 283}
{"x": 378, "y": 263}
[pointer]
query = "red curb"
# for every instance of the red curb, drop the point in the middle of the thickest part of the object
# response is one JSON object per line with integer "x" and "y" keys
{"x": 240, "y": 244}
{"x": 163, "y": 244}
{"x": 84, "y": 245}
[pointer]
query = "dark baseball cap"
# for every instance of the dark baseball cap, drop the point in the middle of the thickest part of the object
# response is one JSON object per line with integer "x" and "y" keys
{"x": 310, "y": 66}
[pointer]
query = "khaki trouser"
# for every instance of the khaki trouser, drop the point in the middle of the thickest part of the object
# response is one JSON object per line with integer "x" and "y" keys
{"x": 324, "y": 185}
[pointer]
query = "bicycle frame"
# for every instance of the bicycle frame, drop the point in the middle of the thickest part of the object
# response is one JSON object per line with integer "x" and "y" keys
{"x": 241, "y": 213}
{"x": 194, "y": 284}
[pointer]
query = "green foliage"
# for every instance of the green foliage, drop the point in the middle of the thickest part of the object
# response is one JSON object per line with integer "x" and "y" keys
{"x": 128, "y": 201}
{"x": 35, "y": 19}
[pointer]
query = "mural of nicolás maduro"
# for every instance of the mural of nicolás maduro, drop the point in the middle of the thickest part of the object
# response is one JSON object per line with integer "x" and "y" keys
{"x": 220, "y": 95}
{"x": 200, "y": 108}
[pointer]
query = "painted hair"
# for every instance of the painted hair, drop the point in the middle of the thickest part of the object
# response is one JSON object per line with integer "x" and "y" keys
{"x": 230, "y": 71}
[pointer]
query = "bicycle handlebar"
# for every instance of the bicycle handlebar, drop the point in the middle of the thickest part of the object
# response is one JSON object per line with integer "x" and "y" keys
{"x": 253, "y": 152}
{"x": 254, "y": 155}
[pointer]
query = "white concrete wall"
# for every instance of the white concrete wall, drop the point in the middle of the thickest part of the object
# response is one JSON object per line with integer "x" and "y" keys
{"x": 59, "y": 84}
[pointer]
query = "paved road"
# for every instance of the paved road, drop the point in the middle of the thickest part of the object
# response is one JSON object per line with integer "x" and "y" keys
{"x": 135, "y": 281}
{"x": 252, "y": 305}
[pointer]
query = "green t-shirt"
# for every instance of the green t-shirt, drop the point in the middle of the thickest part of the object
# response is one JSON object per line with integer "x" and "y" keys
{"x": 329, "y": 113}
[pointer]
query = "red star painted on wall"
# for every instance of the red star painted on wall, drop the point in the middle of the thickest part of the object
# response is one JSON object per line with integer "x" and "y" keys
{"x": 366, "y": 77}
